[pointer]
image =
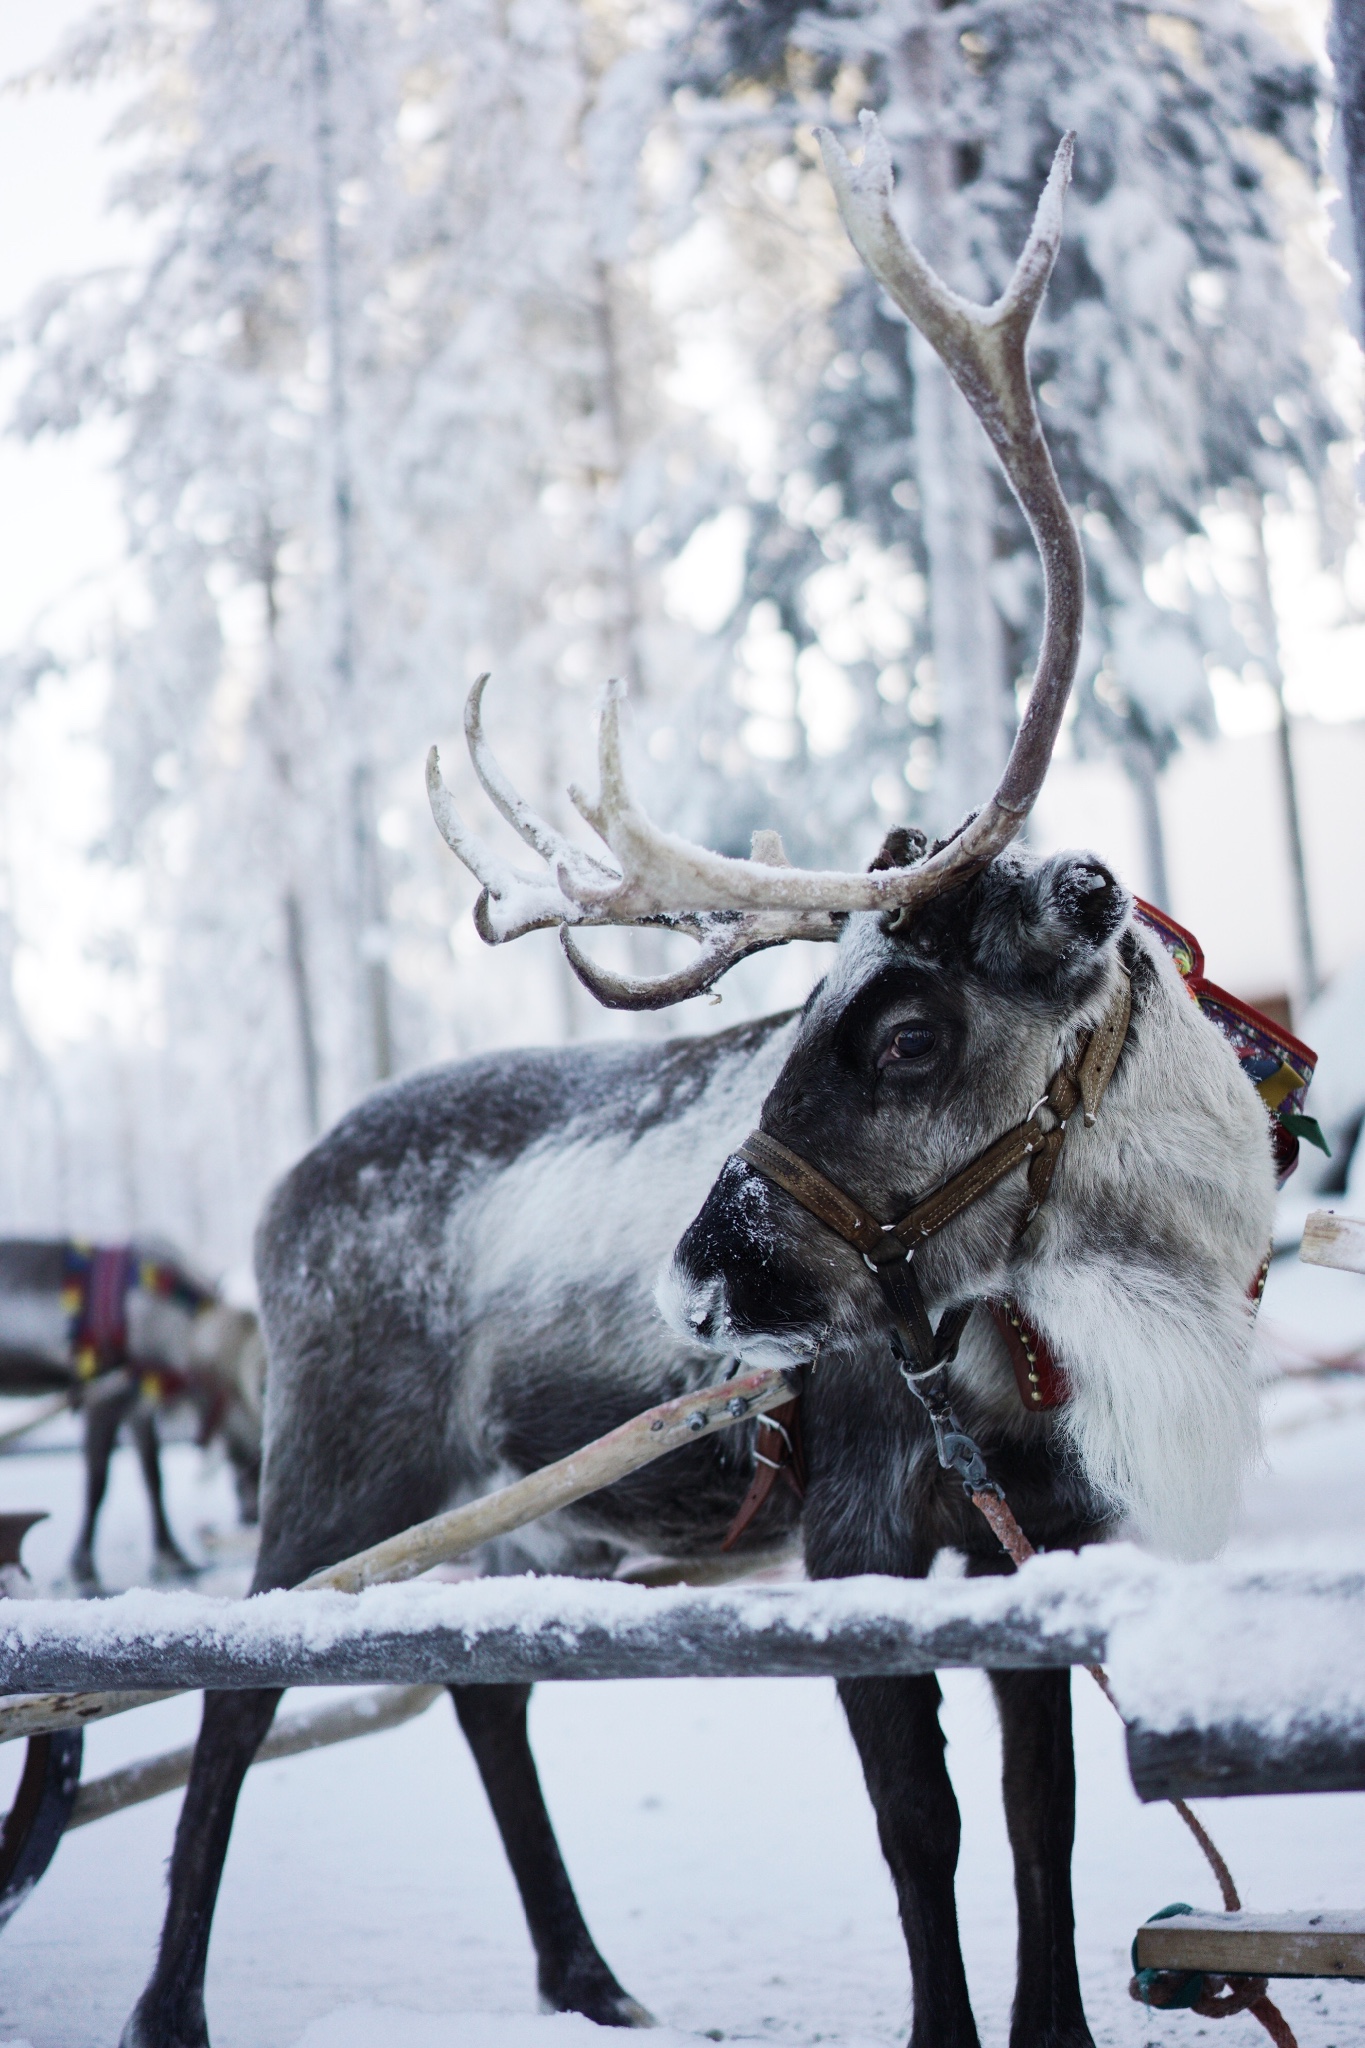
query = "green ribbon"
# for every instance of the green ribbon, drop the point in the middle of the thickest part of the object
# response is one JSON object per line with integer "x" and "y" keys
{"x": 1306, "y": 1127}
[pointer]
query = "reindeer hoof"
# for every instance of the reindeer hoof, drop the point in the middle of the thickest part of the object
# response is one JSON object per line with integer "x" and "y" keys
{"x": 151, "y": 2026}
{"x": 173, "y": 1564}
{"x": 598, "y": 1996}
{"x": 633, "y": 2014}
{"x": 85, "y": 1580}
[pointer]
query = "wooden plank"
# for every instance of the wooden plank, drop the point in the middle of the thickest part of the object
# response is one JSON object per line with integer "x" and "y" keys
{"x": 499, "y": 1631}
{"x": 1323, "y": 1944}
{"x": 608, "y": 1458}
{"x": 1332, "y": 1240}
{"x": 48, "y": 1713}
{"x": 461, "y": 1530}
{"x": 1237, "y": 1759}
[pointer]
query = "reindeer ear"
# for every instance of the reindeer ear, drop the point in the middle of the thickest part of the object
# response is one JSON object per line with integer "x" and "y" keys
{"x": 902, "y": 847}
{"x": 1086, "y": 899}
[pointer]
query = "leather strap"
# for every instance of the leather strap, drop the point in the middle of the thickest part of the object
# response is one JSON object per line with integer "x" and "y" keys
{"x": 975, "y": 1180}
{"x": 1080, "y": 1082}
{"x": 777, "y": 1162}
{"x": 1041, "y": 1382}
{"x": 1107, "y": 1041}
{"x": 778, "y": 1453}
{"x": 889, "y": 1248}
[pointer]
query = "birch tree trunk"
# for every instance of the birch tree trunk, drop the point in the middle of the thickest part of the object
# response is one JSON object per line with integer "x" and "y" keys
{"x": 1270, "y": 654}
{"x": 291, "y": 900}
{"x": 367, "y": 909}
{"x": 1346, "y": 42}
{"x": 1140, "y": 760}
{"x": 974, "y": 714}
{"x": 300, "y": 989}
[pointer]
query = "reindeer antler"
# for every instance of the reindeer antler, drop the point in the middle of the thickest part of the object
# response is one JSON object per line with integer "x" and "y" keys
{"x": 736, "y": 907}
{"x": 650, "y": 887}
{"x": 985, "y": 350}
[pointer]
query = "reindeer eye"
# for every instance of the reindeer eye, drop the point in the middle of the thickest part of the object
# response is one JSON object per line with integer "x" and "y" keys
{"x": 912, "y": 1043}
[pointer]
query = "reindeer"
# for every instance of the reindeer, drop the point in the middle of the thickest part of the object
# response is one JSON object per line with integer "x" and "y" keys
{"x": 1001, "y": 1075}
{"x": 126, "y": 1331}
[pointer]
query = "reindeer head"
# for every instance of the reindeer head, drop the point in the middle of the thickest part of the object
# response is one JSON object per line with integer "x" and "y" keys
{"x": 921, "y": 1046}
{"x": 964, "y": 975}
{"x": 916, "y": 1052}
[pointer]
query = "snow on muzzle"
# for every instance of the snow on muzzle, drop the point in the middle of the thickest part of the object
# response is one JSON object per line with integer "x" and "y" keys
{"x": 737, "y": 1281}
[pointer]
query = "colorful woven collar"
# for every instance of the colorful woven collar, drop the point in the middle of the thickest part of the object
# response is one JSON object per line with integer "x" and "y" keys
{"x": 1278, "y": 1065}
{"x": 97, "y": 1280}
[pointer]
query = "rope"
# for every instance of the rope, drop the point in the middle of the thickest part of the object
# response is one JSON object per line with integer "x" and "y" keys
{"x": 1218, "y": 2001}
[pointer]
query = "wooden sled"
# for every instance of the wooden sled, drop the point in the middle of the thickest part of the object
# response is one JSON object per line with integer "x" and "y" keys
{"x": 42, "y": 1805}
{"x": 1324, "y": 1944}
{"x": 51, "y": 1797}
{"x": 1221, "y": 1951}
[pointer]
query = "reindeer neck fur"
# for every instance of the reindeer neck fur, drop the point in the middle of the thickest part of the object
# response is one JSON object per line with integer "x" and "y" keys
{"x": 1137, "y": 1271}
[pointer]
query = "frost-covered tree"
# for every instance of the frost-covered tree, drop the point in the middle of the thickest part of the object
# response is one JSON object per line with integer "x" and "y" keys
{"x": 1346, "y": 41}
{"x": 388, "y": 384}
{"x": 1171, "y": 356}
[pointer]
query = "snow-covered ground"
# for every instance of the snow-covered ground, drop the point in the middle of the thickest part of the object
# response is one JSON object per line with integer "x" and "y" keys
{"x": 717, "y": 1830}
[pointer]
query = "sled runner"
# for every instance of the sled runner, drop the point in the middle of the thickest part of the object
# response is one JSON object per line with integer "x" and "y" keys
{"x": 35, "y": 1823}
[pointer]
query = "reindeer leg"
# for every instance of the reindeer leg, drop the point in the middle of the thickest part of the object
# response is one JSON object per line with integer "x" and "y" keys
{"x": 570, "y": 1974}
{"x": 1040, "y": 1811}
{"x": 168, "y": 1551}
{"x": 894, "y": 1722}
{"x": 106, "y": 1405}
{"x": 170, "y": 2012}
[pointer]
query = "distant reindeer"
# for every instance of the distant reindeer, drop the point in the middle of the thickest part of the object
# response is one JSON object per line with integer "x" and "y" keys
{"x": 1001, "y": 1075}
{"x": 127, "y": 1330}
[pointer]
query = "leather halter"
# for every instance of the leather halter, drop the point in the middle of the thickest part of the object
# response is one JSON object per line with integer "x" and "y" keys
{"x": 889, "y": 1248}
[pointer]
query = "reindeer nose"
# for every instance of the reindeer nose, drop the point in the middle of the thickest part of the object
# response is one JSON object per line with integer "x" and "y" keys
{"x": 706, "y": 1309}
{"x": 693, "y": 1303}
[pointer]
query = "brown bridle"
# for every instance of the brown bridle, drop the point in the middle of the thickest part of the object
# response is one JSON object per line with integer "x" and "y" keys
{"x": 889, "y": 1248}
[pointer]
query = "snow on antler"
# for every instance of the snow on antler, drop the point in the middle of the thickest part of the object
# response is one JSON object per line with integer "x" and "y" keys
{"x": 656, "y": 883}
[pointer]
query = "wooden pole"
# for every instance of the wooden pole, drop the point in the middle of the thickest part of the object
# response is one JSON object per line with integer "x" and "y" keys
{"x": 636, "y": 1443}
{"x": 368, "y": 1714}
{"x": 447, "y": 1537}
{"x": 1332, "y": 1240}
{"x": 48, "y": 1713}
{"x": 49, "y": 1411}
{"x": 519, "y": 1631}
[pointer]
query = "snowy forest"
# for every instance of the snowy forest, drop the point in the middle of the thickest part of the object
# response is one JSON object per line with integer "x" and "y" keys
{"x": 372, "y": 1340}
{"x": 455, "y": 338}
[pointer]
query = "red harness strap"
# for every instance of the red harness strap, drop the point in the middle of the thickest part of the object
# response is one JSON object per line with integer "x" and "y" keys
{"x": 779, "y": 1452}
{"x": 97, "y": 1301}
{"x": 1041, "y": 1381}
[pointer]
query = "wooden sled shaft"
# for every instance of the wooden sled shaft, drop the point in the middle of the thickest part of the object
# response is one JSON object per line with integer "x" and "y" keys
{"x": 455, "y": 1534}
{"x": 368, "y": 1714}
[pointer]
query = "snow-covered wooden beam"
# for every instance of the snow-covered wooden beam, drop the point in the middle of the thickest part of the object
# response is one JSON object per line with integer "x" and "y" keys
{"x": 366, "y": 1713}
{"x": 1332, "y": 1240}
{"x": 1247, "y": 1676}
{"x": 1235, "y": 1677}
{"x": 1240, "y": 1757}
{"x": 493, "y": 1631}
